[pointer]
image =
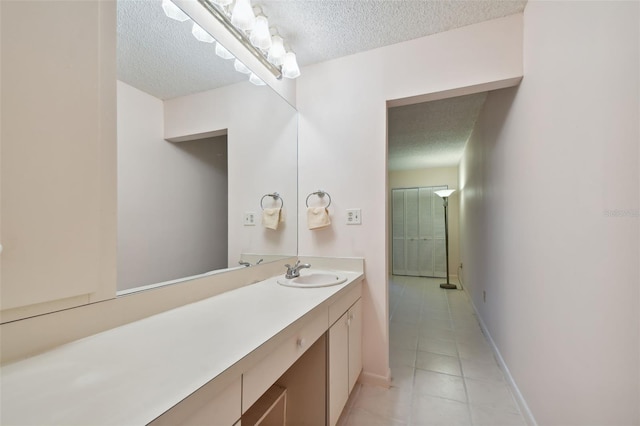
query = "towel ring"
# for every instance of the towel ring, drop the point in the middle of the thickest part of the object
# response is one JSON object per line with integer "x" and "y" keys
{"x": 320, "y": 194}
{"x": 275, "y": 196}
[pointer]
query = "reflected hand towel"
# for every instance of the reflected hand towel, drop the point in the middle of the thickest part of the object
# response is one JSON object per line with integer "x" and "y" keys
{"x": 318, "y": 217}
{"x": 271, "y": 218}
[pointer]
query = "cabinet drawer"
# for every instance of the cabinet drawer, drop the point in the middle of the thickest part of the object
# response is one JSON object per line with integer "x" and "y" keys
{"x": 340, "y": 306}
{"x": 262, "y": 375}
{"x": 212, "y": 404}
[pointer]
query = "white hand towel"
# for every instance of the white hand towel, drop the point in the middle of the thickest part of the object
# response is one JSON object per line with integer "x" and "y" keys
{"x": 271, "y": 218}
{"x": 318, "y": 217}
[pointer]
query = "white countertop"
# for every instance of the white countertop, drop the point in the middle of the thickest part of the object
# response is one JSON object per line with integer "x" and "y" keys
{"x": 132, "y": 374}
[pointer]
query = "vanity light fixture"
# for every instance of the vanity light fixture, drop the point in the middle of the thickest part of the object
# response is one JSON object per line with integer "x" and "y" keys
{"x": 172, "y": 11}
{"x": 255, "y": 35}
{"x": 251, "y": 31}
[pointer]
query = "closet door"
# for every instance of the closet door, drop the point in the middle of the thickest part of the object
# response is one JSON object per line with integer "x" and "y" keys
{"x": 426, "y": 237}
{"x": 412, "y": 231}
{"x": 418, "y": 232}
{"x": 398, "y": 246}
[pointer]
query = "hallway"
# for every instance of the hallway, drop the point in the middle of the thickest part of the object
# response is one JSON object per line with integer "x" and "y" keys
{"x": 444, "y": 371}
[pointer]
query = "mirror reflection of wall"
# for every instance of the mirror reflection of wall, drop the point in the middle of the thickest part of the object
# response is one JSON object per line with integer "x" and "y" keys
{"x": 181, "y": 204}
{"x": 172, "y": 198}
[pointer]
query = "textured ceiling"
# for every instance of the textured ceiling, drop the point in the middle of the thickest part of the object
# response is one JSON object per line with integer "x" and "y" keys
{"x": 431, "y": 134}
{"x": 160, "y": 56}
{"x": 319, "y": 30}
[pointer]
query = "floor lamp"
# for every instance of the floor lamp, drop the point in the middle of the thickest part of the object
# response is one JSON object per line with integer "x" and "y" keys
{"x": 444, "y": 194}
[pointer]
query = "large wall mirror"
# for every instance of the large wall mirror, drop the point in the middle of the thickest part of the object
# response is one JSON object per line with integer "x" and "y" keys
{"x": 193, "y": 205}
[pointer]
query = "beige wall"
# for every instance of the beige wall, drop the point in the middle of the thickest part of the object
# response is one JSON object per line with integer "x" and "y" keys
{"x": 342, "y": 143}
{"x": 58, "y": 219}
{"x": 434, "y": 177}
{"x": 548, "y": 167}
{"x": 172, "y": 197}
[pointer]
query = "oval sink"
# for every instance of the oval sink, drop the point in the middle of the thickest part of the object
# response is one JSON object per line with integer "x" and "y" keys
{"x": 313, "y": 279}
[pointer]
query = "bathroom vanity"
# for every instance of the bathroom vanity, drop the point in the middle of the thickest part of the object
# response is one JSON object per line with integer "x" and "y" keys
{"x": 208, "y": 362}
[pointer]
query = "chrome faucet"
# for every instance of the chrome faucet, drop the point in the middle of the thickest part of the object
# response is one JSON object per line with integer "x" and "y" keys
{"x": 294, "y": 271}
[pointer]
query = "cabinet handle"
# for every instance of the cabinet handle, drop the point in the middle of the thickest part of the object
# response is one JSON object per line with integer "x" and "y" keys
{"x": 0, "y": 248}
{"x": 302, "y": 342}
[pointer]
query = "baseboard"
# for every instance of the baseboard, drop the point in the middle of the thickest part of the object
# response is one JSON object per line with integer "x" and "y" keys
{"x": 375, "y": 379}
{"x": 524, "y": 407}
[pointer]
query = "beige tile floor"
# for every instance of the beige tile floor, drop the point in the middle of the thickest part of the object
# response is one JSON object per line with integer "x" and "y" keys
{"x": 443, "y": 369}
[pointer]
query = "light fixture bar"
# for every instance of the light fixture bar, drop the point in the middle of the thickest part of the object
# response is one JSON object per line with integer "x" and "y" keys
{"x": 240, "y": 36}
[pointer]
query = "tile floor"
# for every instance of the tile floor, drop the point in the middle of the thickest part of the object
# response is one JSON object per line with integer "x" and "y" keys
{"x": 443, "y": 369}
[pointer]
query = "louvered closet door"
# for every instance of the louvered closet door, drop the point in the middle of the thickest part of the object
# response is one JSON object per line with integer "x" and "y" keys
{"x": 398, "y": 245}
{"x": 412, "y": 232}
{"x": 418, "y": 232}
{"x": 426, "y": 242}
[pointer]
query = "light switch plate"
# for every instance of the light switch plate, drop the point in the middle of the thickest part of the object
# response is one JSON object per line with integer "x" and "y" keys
{"x": 249, "y": 219}
{"x": 354, "y": 217}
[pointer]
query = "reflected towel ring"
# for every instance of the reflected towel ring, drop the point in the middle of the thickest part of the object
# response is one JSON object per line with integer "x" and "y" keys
{"x": 320, "y": 194}
{"x": 275, "y": 196}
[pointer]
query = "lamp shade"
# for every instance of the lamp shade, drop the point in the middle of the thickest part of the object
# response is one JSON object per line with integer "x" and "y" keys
{"x": 276, "y": 52}
{"x": 290, "y": 67}
{"x": 260, "y": 36}
{"x": 444, "y": 193}
{"x": 242, "y": 15}
{"x": 173, "y": 11}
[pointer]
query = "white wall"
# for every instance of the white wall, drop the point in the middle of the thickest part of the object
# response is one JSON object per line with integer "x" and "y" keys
{"x": 434, "y": 177}
{"x": 262, "y": 151}
{"x": 546, "y": 162}
{"x": 342, "y": 143}
{"x": 172, "y": 197}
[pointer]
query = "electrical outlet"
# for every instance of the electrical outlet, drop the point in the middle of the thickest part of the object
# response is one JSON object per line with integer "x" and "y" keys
{"x": 354, "y": 217}
{"x": 249, "y": 219}
{"x": 484, "y": 296}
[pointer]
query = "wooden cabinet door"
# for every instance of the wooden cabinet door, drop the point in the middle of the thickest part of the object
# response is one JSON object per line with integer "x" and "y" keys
{"x": 355, "y": 343}
{"x": 338, "y": 368}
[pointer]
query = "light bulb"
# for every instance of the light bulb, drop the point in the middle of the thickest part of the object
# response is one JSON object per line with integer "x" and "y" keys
{"x": 256, "y": 80}
{"x": 173, "y": 11}
{"x": 260, "y": 36}
{"x": 223, "y": 52}
{"x": 240, "y": 67}
{"x": 276, "y": 53}
{"x": 201, "y": 35}
{"x": 290, "y": 67}
{"x": 242, "y": 15}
